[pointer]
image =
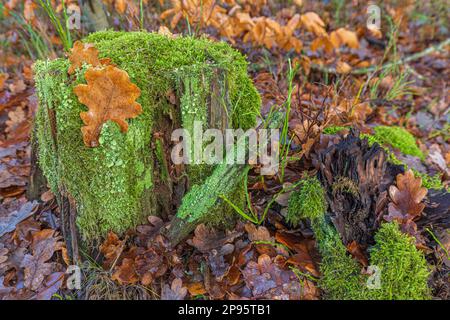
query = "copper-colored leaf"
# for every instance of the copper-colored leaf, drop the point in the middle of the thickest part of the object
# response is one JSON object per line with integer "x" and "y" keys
{"x": 109, "y": 95}
{"x": 125, "y": 273}
{"x": 312, "y": 22}
{"x": 84, "y": 53}
{"x": 110, "y": 249}
{"x": 346, "y": 37}
{"x": 406, "y": 205}
{"x": 358, "y": 253}
{"x": 407, "y": 196}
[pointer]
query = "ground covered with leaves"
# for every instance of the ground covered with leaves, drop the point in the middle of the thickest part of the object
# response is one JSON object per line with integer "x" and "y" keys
{"x": 366, "y": 139}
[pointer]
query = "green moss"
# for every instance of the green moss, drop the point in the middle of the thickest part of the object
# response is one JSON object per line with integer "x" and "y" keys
{"x": 334, "y": 129}
{"x": 397, "y": 137}
{"x": 308, "y": 201}
{"x": 341, "y": 274}
{"x": 109, "y": 182}
{"x": 430, "y": 182}
{"x": 404, "y": 270}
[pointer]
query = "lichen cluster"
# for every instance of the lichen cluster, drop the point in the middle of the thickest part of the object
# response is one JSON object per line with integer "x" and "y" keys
{"x": 402, "y": 269}
{"x": 112, "y": 184}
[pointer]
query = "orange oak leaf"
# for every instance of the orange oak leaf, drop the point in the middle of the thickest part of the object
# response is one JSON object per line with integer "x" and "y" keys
{"x": 84, "y": 53}
{"x": 109, "y": 95}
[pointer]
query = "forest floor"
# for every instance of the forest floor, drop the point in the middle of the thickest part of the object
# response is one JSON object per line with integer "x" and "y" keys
{"x": 321, "y": 60}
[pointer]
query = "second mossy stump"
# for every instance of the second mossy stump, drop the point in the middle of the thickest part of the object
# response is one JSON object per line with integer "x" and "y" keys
{"x": 129, "y": 176}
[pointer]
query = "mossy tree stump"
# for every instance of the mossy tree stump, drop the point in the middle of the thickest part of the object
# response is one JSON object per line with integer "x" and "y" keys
{"x": 129, "y": 176}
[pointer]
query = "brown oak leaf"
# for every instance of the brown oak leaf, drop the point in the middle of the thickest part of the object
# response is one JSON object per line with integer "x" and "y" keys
{"x": 406, "y": 205}
{"x": 175, "y": 292}
{"x": 36, "y": 266}
{"x": 84, "y": 53}
{"x": 109, "y": 95}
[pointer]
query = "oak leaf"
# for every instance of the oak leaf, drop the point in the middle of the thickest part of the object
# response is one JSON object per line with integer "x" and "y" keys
{"x": 109, "y": 95}
{"x": 175, "y": 292}
{"x": 406, "y": 205}
{"x": 84, "y": 53}
{"x": 36, "y": 266}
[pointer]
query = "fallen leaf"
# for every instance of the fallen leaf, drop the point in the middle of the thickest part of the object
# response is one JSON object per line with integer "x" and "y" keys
{"x": 205, "y": 239}
{"x": 406, "y": 205}
{"x": 346, "y": 37}
{"x": 84, "y": 53}
{"x": 125, "y": 273}
{"x": 109, "y": 95}
{"x": 358, "y": 253}
{"x": 175, "y": 292}
{"x": 312, "y": 22}
{"x": 8, "y": 223}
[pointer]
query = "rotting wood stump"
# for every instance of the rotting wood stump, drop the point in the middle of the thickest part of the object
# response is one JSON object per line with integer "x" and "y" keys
{"x": 130, "y": 176}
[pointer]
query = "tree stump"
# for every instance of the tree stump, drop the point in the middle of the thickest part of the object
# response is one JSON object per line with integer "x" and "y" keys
{"x": 130, "y": 176}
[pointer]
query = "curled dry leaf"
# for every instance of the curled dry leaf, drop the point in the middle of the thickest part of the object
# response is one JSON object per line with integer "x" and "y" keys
{"x": 109, "y": 95}
{"x": 125, "y": 273}
{"x": 346, "y": 37}
{"x": 312, "y": 22}
{"x": 84, "y": 53}
{"x": 110, "y": 249}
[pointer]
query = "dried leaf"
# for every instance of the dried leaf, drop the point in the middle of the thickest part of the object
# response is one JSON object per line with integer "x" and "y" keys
{"x": 406, "y": 205}
{"x": 206, "y": 239}
{"x": 110, "y": 248}
{"x": 84, "y": 53}
{"x": 358, "y": 253}
{"x": 125, "y": 273}
{"x": 346, "y": 37}
{"x": 8, "y": 223}
{"x": 36, "y": 267}
{"x": 109, "y": 95}
{"x": 312, "y": 22}
{"x": 175, "y": 292}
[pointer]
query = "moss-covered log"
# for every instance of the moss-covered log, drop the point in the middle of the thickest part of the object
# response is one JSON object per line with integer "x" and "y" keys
{"x": 129, "y": 176}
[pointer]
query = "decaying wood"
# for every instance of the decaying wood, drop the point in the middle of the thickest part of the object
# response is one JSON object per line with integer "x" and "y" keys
{"x": 37, "y": 183}
{"x": 356, "y": 177}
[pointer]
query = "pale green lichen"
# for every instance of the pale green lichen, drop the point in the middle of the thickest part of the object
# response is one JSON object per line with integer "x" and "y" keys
{"x": 112, "y": 183}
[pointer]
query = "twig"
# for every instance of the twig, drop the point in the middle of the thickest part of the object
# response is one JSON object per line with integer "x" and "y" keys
{"x": 429, "y": 50}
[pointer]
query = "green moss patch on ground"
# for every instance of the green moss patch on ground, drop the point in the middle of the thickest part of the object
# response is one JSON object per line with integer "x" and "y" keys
{"x": 108, "y": 182}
